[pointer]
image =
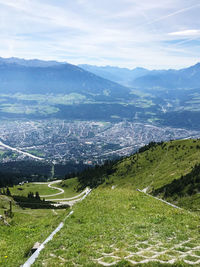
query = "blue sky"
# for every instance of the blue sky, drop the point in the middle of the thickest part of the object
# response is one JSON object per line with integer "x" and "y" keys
{"x": 126, "y": 33}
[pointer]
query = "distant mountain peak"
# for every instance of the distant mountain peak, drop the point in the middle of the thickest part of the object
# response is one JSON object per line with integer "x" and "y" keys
{"x": 197, "y": 65}
{"x": 29, "y": 62}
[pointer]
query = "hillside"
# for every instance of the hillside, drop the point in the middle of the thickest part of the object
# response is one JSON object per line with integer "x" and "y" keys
{"x": 116, "y": 224}
{"x": 119, "y": 226}
{"x": 27, "y": 226}
{"x": 185, "y": 192}
{"x": 123, "y": 227}
{"x": 186, "y": 78}
{"x": 155, "y": 166}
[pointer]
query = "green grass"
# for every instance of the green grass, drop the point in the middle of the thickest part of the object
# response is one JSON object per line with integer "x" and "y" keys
{"x": 36, "y": 153}
{"x": 156, "y": 167}
{"x": 23, "y": 190}
{"x": 26, "y": 227}
{"x": 117, "y": 221}
{"x": 2, "y": 152}
{"x": 70, "y": 187}
{"x": 188, "y": 202}
{"x": 51, "y": 99}
{"x": 114, "y": 225}
{"x": 29, "y": 109}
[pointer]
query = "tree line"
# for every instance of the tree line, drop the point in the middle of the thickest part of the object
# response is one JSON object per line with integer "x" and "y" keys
{"x": 188, "y": 184}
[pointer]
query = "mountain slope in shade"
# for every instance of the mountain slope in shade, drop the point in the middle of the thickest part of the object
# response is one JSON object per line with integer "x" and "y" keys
{"x": 171, "y": 169}
{"x": 39, "y": 77}
{"x": 120, "y": 75}
{"x": 186, "y": 78}
{"x": 150, "y": 79}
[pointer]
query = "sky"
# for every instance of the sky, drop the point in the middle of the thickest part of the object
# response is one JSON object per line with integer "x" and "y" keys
{"x": 126, "y": 33}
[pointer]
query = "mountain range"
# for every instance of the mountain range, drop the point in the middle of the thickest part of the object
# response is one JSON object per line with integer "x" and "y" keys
{"x": 62, "y": 90}
{"x": 120, "y": 75}
{"x": 37, "y": 76}
{"x": 150, "y": 79}
{"x": 50, "y": 77}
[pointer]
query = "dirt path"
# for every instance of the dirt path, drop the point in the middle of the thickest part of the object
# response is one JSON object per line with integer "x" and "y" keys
{"x": 74, "y": 200}
{"x": 71, "y": 198}
{"x": 53, "y": 187}
{"x": 64, "y": 201}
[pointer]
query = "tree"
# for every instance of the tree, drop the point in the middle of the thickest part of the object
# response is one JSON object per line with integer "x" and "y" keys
{"x": 30, "y": 195}
{"x": 37, "y": 196}
{"x": 8, "y": 192}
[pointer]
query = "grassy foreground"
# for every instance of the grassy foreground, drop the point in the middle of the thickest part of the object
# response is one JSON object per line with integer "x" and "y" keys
{"x": 26, "y": 227}
{"x": 124, "y": 227}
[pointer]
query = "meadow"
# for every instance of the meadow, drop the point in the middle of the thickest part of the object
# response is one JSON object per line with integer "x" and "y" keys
{"x": 123, "y": 227}
{"x": 157, "y": 166}
{"x": 26, "y": 227}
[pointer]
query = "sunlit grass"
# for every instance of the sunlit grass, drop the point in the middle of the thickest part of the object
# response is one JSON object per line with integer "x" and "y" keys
{"x": 105, "y": 222}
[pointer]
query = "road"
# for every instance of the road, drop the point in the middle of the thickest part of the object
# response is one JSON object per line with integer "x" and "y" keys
{"x": 64, "y": 201}
{"x": 20, "y": 151}
{"x": 53, "y": 187}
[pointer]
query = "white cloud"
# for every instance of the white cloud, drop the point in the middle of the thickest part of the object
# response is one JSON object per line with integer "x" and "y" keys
{"x": 185, "y": 33}
{"x": 116, "y": 32}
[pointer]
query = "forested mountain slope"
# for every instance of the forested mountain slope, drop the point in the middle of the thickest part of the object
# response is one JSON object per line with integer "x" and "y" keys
{"x": 154, "y": 166}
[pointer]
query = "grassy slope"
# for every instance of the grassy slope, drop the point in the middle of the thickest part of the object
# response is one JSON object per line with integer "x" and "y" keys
{"x": 69, "y": 186}
{"x": 158, "y": 166}
{"x": 23, "y": 190}
{"x": 27, "y": 227}
{"x": 184, "y": 192}
{"x": 122, "y": 223}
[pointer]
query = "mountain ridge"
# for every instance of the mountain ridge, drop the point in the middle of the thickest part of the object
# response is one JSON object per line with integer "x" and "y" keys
{"x": 21, "y": 76}
{"x": 141, "y": 77}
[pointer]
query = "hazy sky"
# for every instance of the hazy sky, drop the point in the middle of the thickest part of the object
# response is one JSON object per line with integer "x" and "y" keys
{"x": 126, "y": 33}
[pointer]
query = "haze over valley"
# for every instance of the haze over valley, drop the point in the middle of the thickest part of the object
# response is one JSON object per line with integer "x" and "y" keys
{"x": 63, "y": 113}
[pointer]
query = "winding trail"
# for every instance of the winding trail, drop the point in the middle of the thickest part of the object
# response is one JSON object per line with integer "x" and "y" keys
{"x": 72, "y": 198}
{"x": 64, "y": 201}
{"x": 54, "y": 187}
{"x": 71, "y": 201}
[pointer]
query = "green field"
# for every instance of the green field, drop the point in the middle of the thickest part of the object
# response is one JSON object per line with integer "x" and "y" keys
{"x": 69, "y": 186}
{"x": 23, "y": 190}
{"x": 28, "y": 109}
{"x": 123, "y": 226}
{"x": 36, "y": 153}
{"x": 26, "y": 227}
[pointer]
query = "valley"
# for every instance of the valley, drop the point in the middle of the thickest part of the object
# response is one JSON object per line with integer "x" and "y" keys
{"x": 86, "y": 142}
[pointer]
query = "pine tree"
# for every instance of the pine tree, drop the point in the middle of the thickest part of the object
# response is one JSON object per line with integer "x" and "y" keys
{"x": 8, "y": 192}
{"x": 37, "y": 196}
